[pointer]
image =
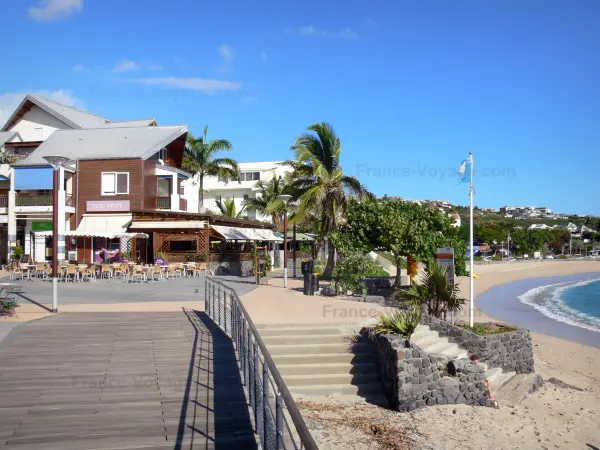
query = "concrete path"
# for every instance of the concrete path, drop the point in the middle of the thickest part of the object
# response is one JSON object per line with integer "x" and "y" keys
{"x": 274, "y": 304}
{"x": 122, "y": 380}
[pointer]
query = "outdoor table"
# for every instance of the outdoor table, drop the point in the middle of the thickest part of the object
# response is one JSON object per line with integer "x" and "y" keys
{"x": 30, "y": 268}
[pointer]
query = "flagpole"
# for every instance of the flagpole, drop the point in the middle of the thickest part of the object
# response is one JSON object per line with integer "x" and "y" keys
{"x": 471, "y": 240}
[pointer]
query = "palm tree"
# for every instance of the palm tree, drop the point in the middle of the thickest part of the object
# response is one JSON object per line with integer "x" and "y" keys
{"x": 434, "y": 291}
{"x": 200, "y": 159}
{"x": 266, "y": 201}
{"x": 227, "y": 208}
{"x": 319, "y": 184}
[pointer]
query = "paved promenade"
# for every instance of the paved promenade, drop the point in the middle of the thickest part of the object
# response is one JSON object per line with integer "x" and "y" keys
{"x": 133, "y": 380}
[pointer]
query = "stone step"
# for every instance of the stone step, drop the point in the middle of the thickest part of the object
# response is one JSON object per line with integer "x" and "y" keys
{"x": 323, "y": 358}
{"x": 427, "y": 339}
{"x": 321, "y": 331}
{"x": 502, "y": 380}
{"x": 492, "y": 375}
{"x": 358, "y": 379}
{"x": 307, "y": 339}
{"x": 373, "y": 398}
{"x": 327, "y": 368}
{"x": 518, "y": 388}
{"x": 364, "y": 390}
{"x": 438, "y": 346}
{"x": 422, "y": 329}
{"x": 311, "y": 349}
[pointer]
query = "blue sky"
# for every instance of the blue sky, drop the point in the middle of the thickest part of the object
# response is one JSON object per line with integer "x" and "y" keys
{"x": 411, "y": 87}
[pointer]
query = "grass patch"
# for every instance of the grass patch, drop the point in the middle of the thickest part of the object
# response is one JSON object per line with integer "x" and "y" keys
{"x": 483, "y": 329}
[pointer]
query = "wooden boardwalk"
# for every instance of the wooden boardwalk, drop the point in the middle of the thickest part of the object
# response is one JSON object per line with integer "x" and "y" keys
{"x": 122, "y": 381}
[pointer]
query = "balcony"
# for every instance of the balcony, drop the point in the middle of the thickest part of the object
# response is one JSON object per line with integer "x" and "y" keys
{"x": 182, "y": 204}
{"x": 4, "y": 202}
{"x": 69, "y": 200}
{"x": 163, "y": 202}
{"x": 33, "y": 200}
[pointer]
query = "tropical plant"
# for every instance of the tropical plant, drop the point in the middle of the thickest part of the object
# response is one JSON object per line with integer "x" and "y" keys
{"x": 400, "y": 322}
{"x": 319, "y": 184}
{"x": 266, "y": 201}
{"x": 199, "y": 158}
{"x": 227, "y": 208}
{"x": 401, "y": 228}
{"x": 6, "y": 158}
{"x": 17, "y": 253}
{"x": 435, "y": 292}
{"x": 350, "y": 273}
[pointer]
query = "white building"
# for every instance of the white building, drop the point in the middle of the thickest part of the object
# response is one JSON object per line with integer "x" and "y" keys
{"x": 242, "y": 189}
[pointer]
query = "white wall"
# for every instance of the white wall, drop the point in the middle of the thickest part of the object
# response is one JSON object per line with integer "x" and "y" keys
{"x": 37, "y": 125}
{"x": 191, "y": 189}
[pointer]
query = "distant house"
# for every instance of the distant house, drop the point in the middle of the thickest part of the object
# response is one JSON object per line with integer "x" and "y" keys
{"x": 539, "y": 226}
{"x": 456, "y": 218}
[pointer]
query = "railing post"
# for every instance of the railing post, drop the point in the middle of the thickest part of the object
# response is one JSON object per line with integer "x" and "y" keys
{"x": 225, "y": 309}
{"x": 255, "y": 376}
{"x": 219, "y": 304}
{"x": 265, "y": 402}
{"x": 278, "y": 422}
{"x": 206, "y": 298}
{"x": 249, "y": 365}
{"x": 242, "y": 352}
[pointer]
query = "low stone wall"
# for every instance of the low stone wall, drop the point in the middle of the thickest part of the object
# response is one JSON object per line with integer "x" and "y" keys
{"x": 234, "y": 268}
{"x": 411, "y": 378}
{"x": 512, "y": 351}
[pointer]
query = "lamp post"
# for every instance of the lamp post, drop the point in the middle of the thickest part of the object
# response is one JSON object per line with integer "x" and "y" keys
{"x": 285, "y": 199}
{"x": 508, "y": 254}
{"x": 56, "y": 162}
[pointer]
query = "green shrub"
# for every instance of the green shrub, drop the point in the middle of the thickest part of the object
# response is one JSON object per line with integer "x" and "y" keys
{"x": 483, "y": 329}
{"x": 399, "y": 322}
{"x": 350, "y": 272}
{"x": 497, "y": 258}
{"x": 17, "y": 253}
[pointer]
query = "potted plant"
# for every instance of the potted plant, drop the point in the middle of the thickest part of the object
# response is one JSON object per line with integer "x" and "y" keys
{"x": 8, "y": 307}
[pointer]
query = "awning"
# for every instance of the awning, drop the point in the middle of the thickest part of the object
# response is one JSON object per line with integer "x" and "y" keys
{"x": 185, "y": 224}
{"x": 245, "y": 234}
{"x": 299, "y": 236}
{"x": 94, "y": 234}
{"x": 268, "y": 235}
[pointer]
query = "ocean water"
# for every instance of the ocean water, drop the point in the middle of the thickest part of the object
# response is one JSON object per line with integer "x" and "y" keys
{"x": 575, "y": 303}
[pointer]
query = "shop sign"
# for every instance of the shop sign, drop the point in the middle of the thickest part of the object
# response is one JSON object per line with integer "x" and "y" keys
{"x": 41, "y": 226}
{"x": 107, "y": 206}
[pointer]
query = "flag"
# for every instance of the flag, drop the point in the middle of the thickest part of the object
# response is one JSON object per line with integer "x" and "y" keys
{"x": 464, "y": 171}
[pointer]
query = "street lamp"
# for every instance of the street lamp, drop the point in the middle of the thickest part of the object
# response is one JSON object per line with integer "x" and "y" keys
{"x": 285, "y": 199}
{"x": 508, "y": 253}
{"x": 56, "y": 162}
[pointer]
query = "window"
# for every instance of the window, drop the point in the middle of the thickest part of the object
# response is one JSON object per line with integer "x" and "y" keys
{"x": 182, "y": 246}
{"x": 115, "y": 183}
{"x": 245, "y": 196}
{"x": 250, "y": 176}
{"x": 164, "y": 187}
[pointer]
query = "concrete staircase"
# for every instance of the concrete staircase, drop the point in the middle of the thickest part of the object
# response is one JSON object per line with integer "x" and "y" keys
{"x": 320, "y": 360}
{"x": 430, "y": 341}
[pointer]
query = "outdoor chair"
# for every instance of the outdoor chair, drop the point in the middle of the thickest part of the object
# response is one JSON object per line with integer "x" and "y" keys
{"x": 105, "y": 271}
{"x": 176, "y": 270}
{"x": 71, "y": 272}
{"x": 200, "y": 270}
{"x": 16, "y": 271}
{"x": 122, "y": 271}
{"x": 88, "y": 272}
{"x": 138, "y": 272}
{"x": 40, "y": 268}
{"x": 157, "y": 274}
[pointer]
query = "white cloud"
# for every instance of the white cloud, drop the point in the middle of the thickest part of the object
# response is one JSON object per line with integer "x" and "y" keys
{"x": 264, "y": 56}
{"x": 126, "y": 66}
{"x": 206, "y": 85}
{"x": 311, "y": 30}
{"x": 10, "y": 100}
{"x": 80, "y": 68}
{"x": 347, "y": 33}
{"x": 47, "y": 10}
{"x": 226, "y": 53}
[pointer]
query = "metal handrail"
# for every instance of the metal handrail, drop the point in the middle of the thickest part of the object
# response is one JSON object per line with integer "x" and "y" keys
{"x": 236, "y": 322}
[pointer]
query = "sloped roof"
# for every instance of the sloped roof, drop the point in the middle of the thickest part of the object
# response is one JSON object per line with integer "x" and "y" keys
{"x": 104, "y": 143}
{"x": 6, "y": 136}
{"x": 73, "y": 117}
{"x": 130, "y": 123}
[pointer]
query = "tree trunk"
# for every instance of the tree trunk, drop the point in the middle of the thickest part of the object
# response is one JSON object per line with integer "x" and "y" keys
{"x": 201, "y": 192}
{"x": 330, "y": 261}
{"x": 398, "y": 282}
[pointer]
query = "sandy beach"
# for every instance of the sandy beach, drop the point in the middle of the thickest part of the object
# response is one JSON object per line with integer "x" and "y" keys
{"x": 553, "y": 417}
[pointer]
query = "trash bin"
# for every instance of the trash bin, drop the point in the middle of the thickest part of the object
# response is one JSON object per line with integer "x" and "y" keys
{"x": 307, "y": 283}
{"x": 307, "y": 266}
{"x": 315, "y": 285}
